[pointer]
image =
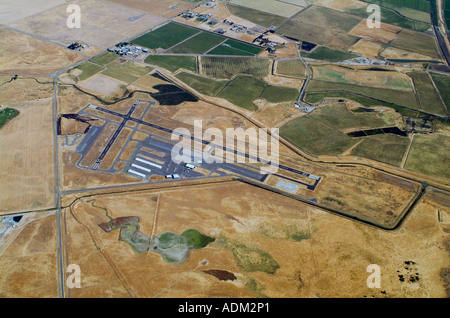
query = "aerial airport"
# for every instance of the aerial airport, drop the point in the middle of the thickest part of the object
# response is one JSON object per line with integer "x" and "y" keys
{"x": 224, "y": 149}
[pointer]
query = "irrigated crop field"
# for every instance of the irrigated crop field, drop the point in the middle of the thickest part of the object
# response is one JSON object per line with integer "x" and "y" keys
{"x": 429, "y": 98}
{"x": 173, "y": 63}
{"x": 270, "y": 6}
{"x": 227, "y": 67}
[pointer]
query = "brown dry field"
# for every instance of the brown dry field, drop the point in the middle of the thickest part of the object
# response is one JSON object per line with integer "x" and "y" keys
{"x": 331, "y": 261}
{"x": 104, "y": 85}
{"x": 96, "y": 30}
{"x": 158, "y": 7}
{"x": 385, "y": 34}
{"x": 393, "y": 53}
{"x": 339, "y": 4}
{"x": 366, "y": 48}
{"x": 27, "y": 167}
{"x": 23, "y": 54}
{"x": 28, "y": 260}
{"x": 25, "y": 88}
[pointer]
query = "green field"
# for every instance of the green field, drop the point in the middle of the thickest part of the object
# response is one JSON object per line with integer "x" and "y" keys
{"x": 442, "y": 83}
{"x": 320, "y": 132}
{"x": 173, "y": 63}
{"x": 387, "y": 148}
{"x": 259, "y": 17}
{"x": 294, "y": 68}
{"x": 421, "y": 5}
{"x": 104, "y": 58}
{"x": 127, "y": 72}
{"x": 227, "y": 67}
{"x": 429, "y": 155}
{"x": 166, "y": 36}
{"x": 202, "y": 84}
{"x": 390, "y": 96}
{"x": 323, "y": 53}
{"x": 232, "y": 47}
{"x": 88, "y": 70}
{"x": 199, "y": 44}
{"x": 6, "y": 114}
{"x": 243, "y": 90}
{"x": 278, "y": 94}
{"x": 427, "y": 94}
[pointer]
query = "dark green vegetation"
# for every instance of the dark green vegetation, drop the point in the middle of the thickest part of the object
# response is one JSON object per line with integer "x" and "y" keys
{"x": 323, "y": 53}
{"x": 294, "y": 68}
{"x": 321, "y": 133}
{"x": 127, "y": 71}
{"x": 233, "y": 47}
{"x": 447, "y": 12}
{"x": 203, "y": 85}
{"x": 166, "y": 36}
{"x": 199, "y": 44}
{"x": 259, "y": 17}
{"x": 175, "y": 248}
{"x": 227, "y": 67}
{"x": 429, "y": 155}
{"x": 104, "y": 58}
{"x": 429, "y": 98}
{"x": 442, "y": 83}
{"x": 249, "y": 259}
{"x": 421, "y": 5}
{"x": 6, "y": 114}
{"x": 172, "y": 95}
{"x": 173, "y": 63}
{"x": 88, "y": 69}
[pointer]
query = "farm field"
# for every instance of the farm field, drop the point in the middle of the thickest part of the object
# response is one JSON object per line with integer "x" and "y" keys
{"x": 243, "y": 90}
{"x": 256, "y": 16}
{"x": 127, "y": 72}
{"x": 7, "y": 114}
{"x": 233, "y": 47}
{"x": 399, "y": 97}
{"x": 165, "y": 36}
{"x": 323, "y": 53}
{"x": 429, "y": 155}
{"x": 322, "y": 131}
{"x": 429, "y": 98}
{"x": 360, "y": 76}
{"x": 27, "y": 150}
{"x": 165, "y": 8}
{"x": 227, "y": 67}
{"x": 199, "y": 44}
{"x": 87, "y": 70}
{"x": 323, "y": 26}
{"x": 104, "y": 58}
{"x": 203, "y": 85}
{"x": 270, "y": 6}
{"x": 173, "y": 63}
{"x": 416, "y": 42}
{"x": 294, "y": 68}
{"x": 442, "y": 83}
{"x": 279, "y": 94}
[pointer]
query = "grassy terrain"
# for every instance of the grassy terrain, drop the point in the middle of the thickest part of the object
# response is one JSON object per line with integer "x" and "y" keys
{"x": 173, "y": 63}
{"x": 88, "y": 70}
{"x": 127, "y": 71}
{"x": 243, "y": 90}
{"x": 421, "y": 5}
{"x": 399, "y": 97}
{"x": 199, "y": 44}
{"x": 416, "y": 42}
{"x": 442, "y": 83}
{"x": 294, "y": 68}
{"x": 165, "y": 36}
{"x": 278, "y": 94}
{"x": 202, "y": 84}
{"x": 428, "y": 96}
{"x": 232, "y": 47}
{"x": 387, "y": 148}
{"x": 261, "y": 18}
{"x": 326, "y": 54}
{"x": 429, "y": 155}
{"x": 104, "y": 58}
{"x": 6, "y": 115}
{"x": 227, "y": 67}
